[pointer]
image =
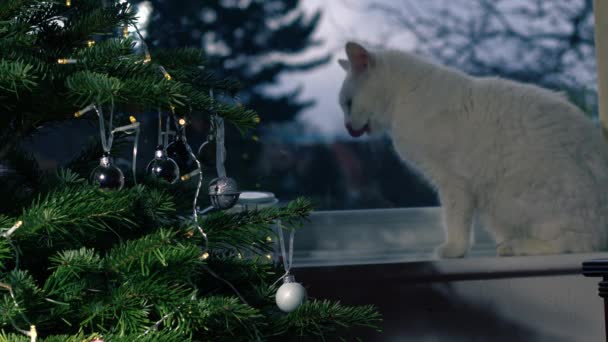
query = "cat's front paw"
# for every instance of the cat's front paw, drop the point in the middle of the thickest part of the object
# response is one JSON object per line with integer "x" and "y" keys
{"x": 452, "y": 250}
{"x": 505, "y": 249}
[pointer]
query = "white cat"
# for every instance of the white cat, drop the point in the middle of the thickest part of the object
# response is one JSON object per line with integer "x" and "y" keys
{"x": 530, "y": 165}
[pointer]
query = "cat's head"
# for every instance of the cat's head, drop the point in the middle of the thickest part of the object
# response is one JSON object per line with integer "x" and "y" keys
{"x": 359, "y": 93}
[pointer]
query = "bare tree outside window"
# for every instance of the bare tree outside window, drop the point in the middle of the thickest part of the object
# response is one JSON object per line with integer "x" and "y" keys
{"x": 549, "y": 43}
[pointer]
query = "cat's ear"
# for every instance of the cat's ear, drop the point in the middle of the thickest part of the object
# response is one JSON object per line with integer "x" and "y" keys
{"x": 344, "y": 64}
{"x": 360, "y": 59}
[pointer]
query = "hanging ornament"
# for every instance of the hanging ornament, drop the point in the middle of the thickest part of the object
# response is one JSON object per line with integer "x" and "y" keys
{"x": 162, "y": 167}
{"x": 107, "y": 175}
{"x": 178, "y": 151}
{"x": 223, "y": 192}
{"x": 290, "y": 295}
{"x": 206, "y": 154}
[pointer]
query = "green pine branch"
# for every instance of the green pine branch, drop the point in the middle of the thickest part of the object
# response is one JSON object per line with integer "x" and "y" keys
{"x": 323, "y": 318}
{"x": 248, "y": 231}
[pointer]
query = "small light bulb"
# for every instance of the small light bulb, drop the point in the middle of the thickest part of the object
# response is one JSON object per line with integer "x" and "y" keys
{"x": 205, "y": 256}
{"x": 125, "y": 31}
{"x": 269, "y": 239}
{"x": 240, "y": 256}
{"x": 66, "y": 61}
{"x": 132, "y": 119}
{"x": 90, "y": 43}
{"x": 182, "y": 121}
{"x": 147, "y": 58}
{"x": 256, "y": 119}
{"x": 68, "y": 3}
{"x": 84, "y": 110}
{"x": 33, "y": 333}
{"x": 184, "y": 177}
{"x": 18, "y": 224}
{"x": 255, "y": 138}
{"x": 268, "y": 256}
{"x": 165, "y": 73}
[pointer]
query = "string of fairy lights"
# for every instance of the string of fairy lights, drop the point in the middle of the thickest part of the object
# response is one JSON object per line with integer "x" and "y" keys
{"x": 172, "y": 162}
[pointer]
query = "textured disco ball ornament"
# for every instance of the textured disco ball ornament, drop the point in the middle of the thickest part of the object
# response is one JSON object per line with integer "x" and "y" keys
{"x": 206, "y": 154}
{"x": 178, "y": 151}
{"x": 223, "y": 192}
{"x": 290, "y": 295}
{"x": 107, "y": 176}
{"x": 162, "y": 167}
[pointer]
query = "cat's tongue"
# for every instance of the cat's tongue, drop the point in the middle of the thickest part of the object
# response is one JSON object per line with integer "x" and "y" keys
{"x": 357, "y": 132}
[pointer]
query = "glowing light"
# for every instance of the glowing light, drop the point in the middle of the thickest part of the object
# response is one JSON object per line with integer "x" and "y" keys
{"x": 205, "y": 256}
{"x": 255, "y": 138}
{"x": 84, "y": 111}
{"x": 182, "y": 121}
{"x": 66, "y": 61}
{"x": 256, "y": 119}
{"x": 269, "y": 239}
{"x": 18, "y": 224}
{"x": 68, "y": 3}
{"x": 125, "y": 31}
{"x": 268, "y": 256}
{"x": 132, "y": 119}
{"x": 90, "y": 43}
{"x": 147, "y": 58}
{"x": 33, "y": 334}
{"x": 165, "y": 73}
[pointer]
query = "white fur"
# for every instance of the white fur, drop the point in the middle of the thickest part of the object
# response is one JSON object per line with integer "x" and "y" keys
{"x": 523, "y": 159}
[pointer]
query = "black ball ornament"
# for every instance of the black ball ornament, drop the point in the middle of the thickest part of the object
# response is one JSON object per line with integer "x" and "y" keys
{"x": 163, "y": 167}
{"x": 178, "y": 151}
{"x": 107, "y": 175}
{"x": 206, "y": 155}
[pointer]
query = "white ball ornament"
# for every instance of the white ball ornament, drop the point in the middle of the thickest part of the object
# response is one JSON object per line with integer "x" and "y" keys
{"x": 290, "y": 295}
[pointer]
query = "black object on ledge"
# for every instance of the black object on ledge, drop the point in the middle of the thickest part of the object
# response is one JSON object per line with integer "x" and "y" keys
{"x": 599, "y": 268}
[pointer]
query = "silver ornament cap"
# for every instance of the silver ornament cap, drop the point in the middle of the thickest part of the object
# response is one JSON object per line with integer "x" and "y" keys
{"x": 290, "y": 295}
{"x": 223, "y": 192}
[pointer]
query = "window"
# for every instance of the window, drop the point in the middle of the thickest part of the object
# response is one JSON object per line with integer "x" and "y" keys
{"x": 285, "y": 55}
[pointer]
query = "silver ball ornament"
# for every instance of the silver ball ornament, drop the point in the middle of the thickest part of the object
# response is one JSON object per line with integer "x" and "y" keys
{"x": 107, "y": 175}
{"x": 290, "y": 295}
{"x": 163, "y": 167}
{"x": 223, "y": 192}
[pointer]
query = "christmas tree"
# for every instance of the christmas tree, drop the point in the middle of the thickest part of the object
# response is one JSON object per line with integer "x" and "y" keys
{"x": 113, "y": 259}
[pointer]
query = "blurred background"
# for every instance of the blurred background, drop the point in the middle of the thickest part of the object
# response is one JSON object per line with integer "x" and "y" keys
{"x": 284, "y": 53}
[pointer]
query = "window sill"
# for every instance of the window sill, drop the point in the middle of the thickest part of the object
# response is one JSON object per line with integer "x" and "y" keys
{"x": 398, "y": 244}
